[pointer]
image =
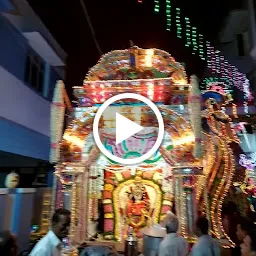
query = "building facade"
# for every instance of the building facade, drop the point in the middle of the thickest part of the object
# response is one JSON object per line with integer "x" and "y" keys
{"x": 31, "y": 61}
{"x": 237, "y": 39}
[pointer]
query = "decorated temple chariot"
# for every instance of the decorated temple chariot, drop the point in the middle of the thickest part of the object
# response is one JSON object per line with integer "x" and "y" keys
{"x": 190, "y": 173}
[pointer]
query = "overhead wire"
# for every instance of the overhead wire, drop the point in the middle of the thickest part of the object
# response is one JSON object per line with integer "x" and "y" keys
{"x": 88, "y": 19}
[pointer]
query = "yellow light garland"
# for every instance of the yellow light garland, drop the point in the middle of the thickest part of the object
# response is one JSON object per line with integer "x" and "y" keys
{"x": 74, "y": 211}
{"x": 118, "y": 55}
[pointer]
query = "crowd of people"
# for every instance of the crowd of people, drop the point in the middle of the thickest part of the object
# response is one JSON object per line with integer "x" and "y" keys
{"x": 173, "y": 244}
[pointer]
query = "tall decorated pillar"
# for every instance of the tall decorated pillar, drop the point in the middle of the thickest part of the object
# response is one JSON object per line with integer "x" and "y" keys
{"x": 187, "y": 177}
{"x": 72, "y": 194}
{"x": 185, "y": 181}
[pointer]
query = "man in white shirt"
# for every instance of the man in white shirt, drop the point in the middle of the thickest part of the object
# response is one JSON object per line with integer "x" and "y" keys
{"x": 206, "y": 245}
{"x": 173, "y": 244}
{"x": 50, "y": 244}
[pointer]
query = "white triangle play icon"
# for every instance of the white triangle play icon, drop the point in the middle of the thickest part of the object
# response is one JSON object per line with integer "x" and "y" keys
{"x": 125, "y": 128}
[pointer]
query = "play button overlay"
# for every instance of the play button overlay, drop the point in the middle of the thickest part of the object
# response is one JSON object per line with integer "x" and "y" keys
{"x": 125, "y": 129}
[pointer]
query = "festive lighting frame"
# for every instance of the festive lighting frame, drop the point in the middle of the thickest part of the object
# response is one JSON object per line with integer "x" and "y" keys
{"x": 216, "y": 61}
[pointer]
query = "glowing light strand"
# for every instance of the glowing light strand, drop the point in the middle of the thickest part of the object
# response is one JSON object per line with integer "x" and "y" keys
{"x": 168, "y": 15}
{"x": 208, "y": 82}
{"x": 194, "y": 40}
{"x": 201, "y": 47}
{"x": 157, "y": 6}
{"x": 178, "y": 23}
{"x": 188, "y": 32}
{"x": 229, "y": 71}
{"x": 214, "y": 58}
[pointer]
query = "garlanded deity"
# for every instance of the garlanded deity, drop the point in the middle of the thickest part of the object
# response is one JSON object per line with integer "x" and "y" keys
{"x": 138, "y": 210}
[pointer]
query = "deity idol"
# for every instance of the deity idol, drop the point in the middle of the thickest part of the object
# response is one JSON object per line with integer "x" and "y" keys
{"x": 218, "y": 121}
{"x": 138, "y": 210}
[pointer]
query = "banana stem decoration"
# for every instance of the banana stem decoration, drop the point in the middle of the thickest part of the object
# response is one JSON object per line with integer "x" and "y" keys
{"x": 57, "y": 120}
{"x": 194, "y": 104}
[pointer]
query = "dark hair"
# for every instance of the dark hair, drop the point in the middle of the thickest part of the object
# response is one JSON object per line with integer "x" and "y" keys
{"x": 203, "y": 225}
{"x": 245, "y": 223}
{"x": 58, "y": 213}
{"x": 172, "y": 224}
{"x": 7, "y": 243}
{"x": 229, "y": 208}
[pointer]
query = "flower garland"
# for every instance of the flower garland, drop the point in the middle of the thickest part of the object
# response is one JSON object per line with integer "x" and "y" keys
{"x": 57, "y": 121}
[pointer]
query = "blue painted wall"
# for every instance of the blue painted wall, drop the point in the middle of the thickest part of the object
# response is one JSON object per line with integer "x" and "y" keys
{"x": 23, "y": 141}
{"x": 14, "y": 48}
{"x": 6, "y": 6}
{"x": 19, "y": 137}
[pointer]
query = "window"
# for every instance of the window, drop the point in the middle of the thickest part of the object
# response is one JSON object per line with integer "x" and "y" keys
{"x": 34, "y": 72}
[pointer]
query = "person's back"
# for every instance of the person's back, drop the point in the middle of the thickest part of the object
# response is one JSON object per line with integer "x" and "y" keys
{"x": 242, "y": 229}
{"x": 50, "y": 244}
{"x": 173, "y": 244}
{"x": 206, "y": 245}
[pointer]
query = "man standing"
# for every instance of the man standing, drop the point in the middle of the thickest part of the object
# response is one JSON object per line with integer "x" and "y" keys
{"x": 242, "y": 229}
{"x": 206, "y": 245}
{"x": 50, "y": 244}
{"x": 172, "y": 244}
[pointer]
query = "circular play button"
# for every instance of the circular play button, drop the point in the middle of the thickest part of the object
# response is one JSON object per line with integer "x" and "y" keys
{"x": 125, "y": 129}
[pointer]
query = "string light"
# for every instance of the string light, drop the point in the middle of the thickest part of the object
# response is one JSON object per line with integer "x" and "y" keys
{"x": 74, "y": 211}
{"x": 228, "y": 71}
{"x": 83, "y": 205}
{"x": 201, "y": 47}
{"x": 45, "y": 216}
{"x": 215, "y": 61}
{"x": 218, "y": 67}
{"x": 178, "y": 23}
{"x": 156, "y": 6}
{"x": 194, "y": 40}
{"x": 208, "y": 82}
{"x": 234, "y": 110}
{"x": 188, "y": 32}
{"x": 222, "y": 65}
{"x": 59, "y": 197}
{"x": 168, "y": 15}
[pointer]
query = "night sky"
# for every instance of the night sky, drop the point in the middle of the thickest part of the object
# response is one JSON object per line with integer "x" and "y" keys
{"x": 116, "y": 22}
